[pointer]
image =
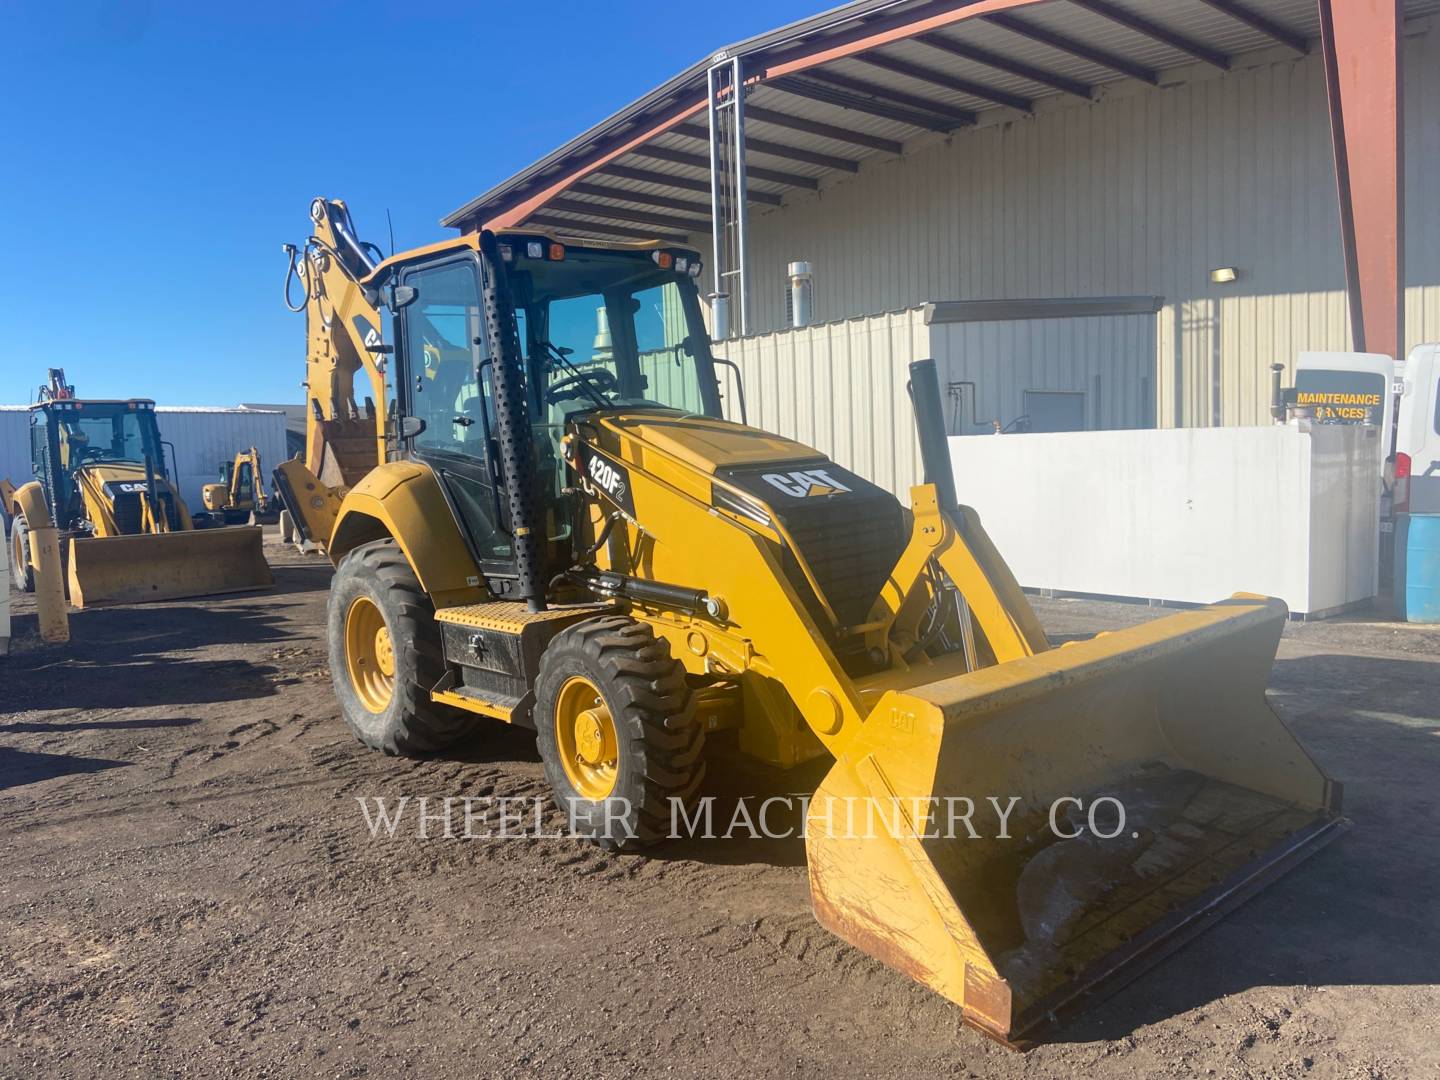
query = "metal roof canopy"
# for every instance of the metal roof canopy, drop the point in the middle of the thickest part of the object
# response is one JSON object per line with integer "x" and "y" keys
{"x": 823, "y": 95}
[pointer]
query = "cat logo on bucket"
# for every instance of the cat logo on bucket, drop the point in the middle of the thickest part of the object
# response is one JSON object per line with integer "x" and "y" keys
{"x": 805, "y": 483}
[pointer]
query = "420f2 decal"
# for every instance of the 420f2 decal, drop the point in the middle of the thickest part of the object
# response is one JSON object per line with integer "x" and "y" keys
{"x": 610, "y": 477}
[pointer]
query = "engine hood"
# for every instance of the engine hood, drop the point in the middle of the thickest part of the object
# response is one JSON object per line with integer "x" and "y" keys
{"x": 845, "y": 529}
{"x": 118, "y": 478}
{"x": 706, "y": 444}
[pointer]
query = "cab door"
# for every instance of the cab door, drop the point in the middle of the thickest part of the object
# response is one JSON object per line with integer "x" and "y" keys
{"x": 443, "y": 381}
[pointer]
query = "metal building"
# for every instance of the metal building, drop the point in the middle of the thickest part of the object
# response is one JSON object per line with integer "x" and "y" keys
{"x": 1227, "y": 175}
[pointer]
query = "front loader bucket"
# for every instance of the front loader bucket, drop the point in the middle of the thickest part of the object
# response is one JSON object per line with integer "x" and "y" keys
{"x": 1169, "y": 718}
{"x": 165, "y": 566}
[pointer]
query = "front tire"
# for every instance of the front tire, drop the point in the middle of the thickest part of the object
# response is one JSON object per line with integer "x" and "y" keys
{"x": 20, "y": 568}
{"x": 616, "y": 728}
{"x": 385, "y": 655}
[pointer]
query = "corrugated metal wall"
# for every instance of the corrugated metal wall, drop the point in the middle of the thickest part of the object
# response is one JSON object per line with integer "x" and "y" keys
{"x": 841, "y": 387}
{"x": 202, "y": 438}
{"x": 1106, "y": 358}
{"x": 1144, "y": 191}
{"x": 14, "y": 444}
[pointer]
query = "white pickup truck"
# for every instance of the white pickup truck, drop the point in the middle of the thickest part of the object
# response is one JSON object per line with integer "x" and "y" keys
{"x": 1417, "y": 434}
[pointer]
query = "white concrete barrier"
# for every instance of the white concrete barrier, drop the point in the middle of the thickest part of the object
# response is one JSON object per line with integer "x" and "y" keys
{"x": 1188, "y": 515}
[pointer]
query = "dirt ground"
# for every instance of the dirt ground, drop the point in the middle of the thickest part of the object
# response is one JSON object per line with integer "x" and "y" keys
{"x": 188, "y": 887}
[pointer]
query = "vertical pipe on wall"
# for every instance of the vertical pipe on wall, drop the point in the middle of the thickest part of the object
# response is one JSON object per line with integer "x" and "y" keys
{"x": 719, "y": 300}
{"x": 742, "y": 197}
{"x": 1361, "y": 43}
{"x": 801, "y": 290}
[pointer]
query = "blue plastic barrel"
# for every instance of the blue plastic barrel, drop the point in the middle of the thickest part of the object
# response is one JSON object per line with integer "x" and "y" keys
{"x": 1417, "y": 567}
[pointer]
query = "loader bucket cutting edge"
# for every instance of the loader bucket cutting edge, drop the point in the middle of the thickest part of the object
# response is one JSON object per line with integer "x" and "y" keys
{"x": 1016, "y": 923}
{"x": 167, "y": 566}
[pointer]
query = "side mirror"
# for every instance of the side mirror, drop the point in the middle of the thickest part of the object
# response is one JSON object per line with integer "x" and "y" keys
{"x": 410, "y": 427}
{"x": 399, "y": 296}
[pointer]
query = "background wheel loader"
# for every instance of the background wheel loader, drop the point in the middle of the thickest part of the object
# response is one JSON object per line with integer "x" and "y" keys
{"x": 568, "y": 536}
{"x": 125, "y": 534}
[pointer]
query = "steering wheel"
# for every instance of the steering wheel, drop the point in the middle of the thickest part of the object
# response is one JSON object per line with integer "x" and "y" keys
{"x": 600, "y": 380}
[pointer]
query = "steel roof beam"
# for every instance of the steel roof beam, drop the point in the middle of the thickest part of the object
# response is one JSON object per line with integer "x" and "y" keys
{"x": 684, "y": 183}
{"x": 626, "y": 213}
{"x": 1084, "y": 50}
{"x": 1269, "y": 27}
{"x": 946, "y": 80}
{"x": 821, "y": 129}
{"x": 966, "y": 51}
{"x": 781, "y": 150}
{"x": 961, "y": 117}
{"x": 1164, "y": 35}
{"x": 798, "y": 86}
{"x": 645, "y": 198}
{"x": 700, "y": 161}
{"x": 570, "y": 225}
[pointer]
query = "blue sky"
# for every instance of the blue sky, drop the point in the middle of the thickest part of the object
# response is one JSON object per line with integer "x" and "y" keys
{"x": 156, "y": 155}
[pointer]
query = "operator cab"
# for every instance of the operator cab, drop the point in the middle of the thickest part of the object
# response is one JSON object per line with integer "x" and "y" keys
{"x": 67, "y": 435}
{"x": 600, "y": 328}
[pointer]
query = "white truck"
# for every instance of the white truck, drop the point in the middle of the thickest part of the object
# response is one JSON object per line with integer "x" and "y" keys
{"x": 1417, "y": 434}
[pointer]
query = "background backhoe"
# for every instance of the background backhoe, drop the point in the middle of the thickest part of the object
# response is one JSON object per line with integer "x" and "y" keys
{"x": 568, "y": 535}
{"x": 125, "y": 534}
{"x": 239, "y": 498}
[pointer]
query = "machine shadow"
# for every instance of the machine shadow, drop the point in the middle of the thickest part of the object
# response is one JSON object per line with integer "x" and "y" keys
{"x": 305, "y": 578}
{"x": 99, "y": 725}
{"x": 1359, "y": 912}
{"x": 127, "y": 657}
{"x": 20, "y": 767}
{"x": 749, "y": 814}
{"x": 103, "y": 683}
{"x": 125, "y": 634}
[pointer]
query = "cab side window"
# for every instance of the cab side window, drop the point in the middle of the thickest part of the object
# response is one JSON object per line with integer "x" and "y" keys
{"x": 441, "y": 329}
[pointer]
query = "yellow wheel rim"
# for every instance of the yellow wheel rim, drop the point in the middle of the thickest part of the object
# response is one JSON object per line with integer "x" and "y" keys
{"x": 369, "y": 654}
{"x": 585, "y": 736}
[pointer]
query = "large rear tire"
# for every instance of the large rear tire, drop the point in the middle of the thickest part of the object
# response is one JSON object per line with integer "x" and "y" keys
{"x": 616, "y": 727}
{"x": 20, "y": 568}
{"x": 386, "y": 656}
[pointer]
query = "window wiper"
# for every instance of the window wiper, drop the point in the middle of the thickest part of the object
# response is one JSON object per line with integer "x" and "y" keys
{"x": 562, "y": 356}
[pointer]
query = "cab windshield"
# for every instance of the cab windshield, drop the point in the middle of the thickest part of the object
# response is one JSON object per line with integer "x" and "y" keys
{"x": 88, "y": 432}
{"x": 607, "y": 329}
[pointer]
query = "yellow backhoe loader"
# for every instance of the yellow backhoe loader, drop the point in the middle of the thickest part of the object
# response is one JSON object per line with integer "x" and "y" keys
{"x": 569, "y": 536}
{"x": 239, "y": 498}
{"x": 126, "y": 535}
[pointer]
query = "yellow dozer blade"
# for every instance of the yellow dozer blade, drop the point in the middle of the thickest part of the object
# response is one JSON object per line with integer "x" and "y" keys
{"x": 1169, "y": 718}
{"x": 166, "y": 566}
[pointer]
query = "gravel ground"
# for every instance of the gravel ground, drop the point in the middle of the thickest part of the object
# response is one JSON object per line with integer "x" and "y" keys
{"x": 188, "y": 887}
